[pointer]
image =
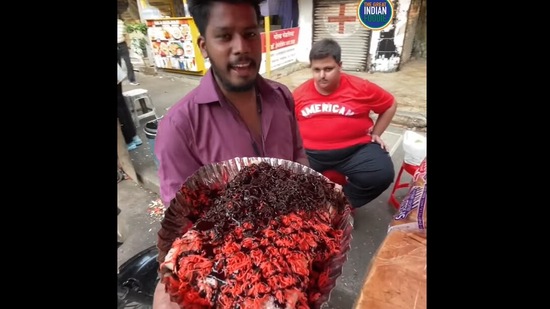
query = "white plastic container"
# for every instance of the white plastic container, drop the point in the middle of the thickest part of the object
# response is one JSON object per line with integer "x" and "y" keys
{"x": 414, "y": 145}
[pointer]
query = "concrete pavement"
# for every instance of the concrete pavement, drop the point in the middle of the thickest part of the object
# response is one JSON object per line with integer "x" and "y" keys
{"x": 140, "y": 204}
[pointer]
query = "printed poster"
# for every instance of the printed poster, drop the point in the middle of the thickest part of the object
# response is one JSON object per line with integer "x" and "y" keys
{"x": 173, "y": 43}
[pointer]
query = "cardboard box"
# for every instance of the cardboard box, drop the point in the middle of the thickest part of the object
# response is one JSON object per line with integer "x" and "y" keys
{"x": 396, "y": 278}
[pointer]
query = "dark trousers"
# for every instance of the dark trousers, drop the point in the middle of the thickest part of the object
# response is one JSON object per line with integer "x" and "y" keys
{"x": 124, "y": 53}
{"x": 368, "y": 167}
{"x": 125, "y": 117}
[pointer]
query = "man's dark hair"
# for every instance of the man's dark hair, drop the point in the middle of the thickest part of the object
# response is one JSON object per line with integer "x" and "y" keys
{"x": 200, "y": 10}
{"x": 324, "y": 48}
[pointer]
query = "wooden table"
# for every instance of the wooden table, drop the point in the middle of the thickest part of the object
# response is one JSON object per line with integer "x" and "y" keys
{"x": 396, "y": 278}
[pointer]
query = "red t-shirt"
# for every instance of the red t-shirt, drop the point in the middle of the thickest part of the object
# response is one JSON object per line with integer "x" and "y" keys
{"x": 341, "y": 119}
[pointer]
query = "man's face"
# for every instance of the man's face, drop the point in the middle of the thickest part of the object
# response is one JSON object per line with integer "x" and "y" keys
{"x": 326, "y": 74}
{"x": 233, "y": 44}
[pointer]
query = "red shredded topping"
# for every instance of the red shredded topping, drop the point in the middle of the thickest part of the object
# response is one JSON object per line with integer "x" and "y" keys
{"x": 266, "y": 237}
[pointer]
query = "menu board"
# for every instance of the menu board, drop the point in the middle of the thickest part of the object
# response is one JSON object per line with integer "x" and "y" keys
{"x": 174, "y": 44}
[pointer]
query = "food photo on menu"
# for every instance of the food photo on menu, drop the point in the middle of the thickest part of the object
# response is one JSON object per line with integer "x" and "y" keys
{"x": 173, "y": 47}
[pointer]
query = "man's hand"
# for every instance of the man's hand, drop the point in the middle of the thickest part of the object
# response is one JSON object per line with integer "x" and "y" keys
{"x": 161, "y": 299}
{"x": 377, "y": 139}
{"x": 303, "y": 161}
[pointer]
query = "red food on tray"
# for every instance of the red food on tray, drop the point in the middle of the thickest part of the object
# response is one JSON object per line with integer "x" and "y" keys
{"x": 265, "y": 233}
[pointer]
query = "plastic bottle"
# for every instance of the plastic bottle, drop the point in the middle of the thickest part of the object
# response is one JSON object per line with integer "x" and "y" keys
{"x": 148, "y": 11}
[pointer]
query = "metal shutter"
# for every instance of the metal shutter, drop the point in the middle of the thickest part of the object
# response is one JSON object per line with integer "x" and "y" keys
{"x": 337, "y": 19}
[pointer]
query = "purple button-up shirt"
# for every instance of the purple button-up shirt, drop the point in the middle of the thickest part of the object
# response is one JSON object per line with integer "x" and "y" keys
{"x": 202, "y": 128}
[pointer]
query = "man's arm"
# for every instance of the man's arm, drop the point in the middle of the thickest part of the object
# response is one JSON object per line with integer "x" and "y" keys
{"x": 126, "y": 36}
{"x": 176, "y": 155}
{"x": 382, "y": 103}
{"x": 384, "y": 120}
{"x": 177, "y": 161}
{"x": 303, "y": 161}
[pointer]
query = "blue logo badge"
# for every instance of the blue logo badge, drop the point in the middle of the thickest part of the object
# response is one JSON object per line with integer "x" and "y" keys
{"x": 375, "y": 14}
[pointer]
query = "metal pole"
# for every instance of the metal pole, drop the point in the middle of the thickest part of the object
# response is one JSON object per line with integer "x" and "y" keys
{"x": 267, "y": 29}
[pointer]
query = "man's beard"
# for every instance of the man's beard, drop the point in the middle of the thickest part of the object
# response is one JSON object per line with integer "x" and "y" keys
{"x": 227, "y": 85}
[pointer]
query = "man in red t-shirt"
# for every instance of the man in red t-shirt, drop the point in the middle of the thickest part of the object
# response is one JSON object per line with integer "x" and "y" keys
{"x": 333, "y": 112}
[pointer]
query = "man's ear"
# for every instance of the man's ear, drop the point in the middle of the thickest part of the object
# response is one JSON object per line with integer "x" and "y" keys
{"x": 202, "y": 46}
{"x": 340, "y": 65}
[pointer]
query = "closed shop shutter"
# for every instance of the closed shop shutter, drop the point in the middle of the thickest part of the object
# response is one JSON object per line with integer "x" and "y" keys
{"x": 337, "y": 19}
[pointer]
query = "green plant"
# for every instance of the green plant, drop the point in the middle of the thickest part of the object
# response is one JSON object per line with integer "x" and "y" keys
{"x": 136, "y": 27}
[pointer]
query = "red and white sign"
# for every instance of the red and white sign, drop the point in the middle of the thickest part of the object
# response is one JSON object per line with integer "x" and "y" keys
{"x": 282, "y": 48}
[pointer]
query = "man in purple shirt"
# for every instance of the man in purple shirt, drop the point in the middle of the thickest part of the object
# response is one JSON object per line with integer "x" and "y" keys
{"x": 204, "y": 127}
{"x": 234, "y": 112}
